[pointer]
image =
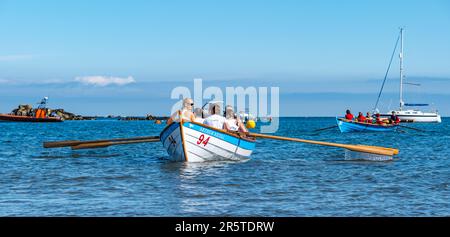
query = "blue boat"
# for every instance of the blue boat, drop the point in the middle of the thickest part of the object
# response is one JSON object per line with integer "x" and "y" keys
{"x": 354, "y": 126}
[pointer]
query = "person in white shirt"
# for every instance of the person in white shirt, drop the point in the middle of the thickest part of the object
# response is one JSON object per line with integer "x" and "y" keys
{"x": 215, "y": 120}
{"x": 232, "y": 120}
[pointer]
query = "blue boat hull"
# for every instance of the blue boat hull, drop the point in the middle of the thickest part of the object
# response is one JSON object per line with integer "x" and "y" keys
{"x": 347, "y": 126}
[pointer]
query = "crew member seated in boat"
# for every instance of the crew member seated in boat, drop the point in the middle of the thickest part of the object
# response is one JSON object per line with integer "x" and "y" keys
{"x": 233, "y": 121}
{"x": 361, "y": 118}
{"x": 185, "y": 113}
{"x": 394, "y": 119}
{"x": 379, "y": 119}
{"x": 199, "y": 116}
{"x": 348, "y": 115}
{"x": 216, "y": 120}
{"x": 369, "y": 118}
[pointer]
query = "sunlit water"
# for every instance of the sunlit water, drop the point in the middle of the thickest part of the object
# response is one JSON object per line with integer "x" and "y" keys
{"x": 281, "y": 179}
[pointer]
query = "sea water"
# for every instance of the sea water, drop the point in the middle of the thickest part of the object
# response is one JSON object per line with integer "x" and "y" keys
{"x": 281, "y": 178}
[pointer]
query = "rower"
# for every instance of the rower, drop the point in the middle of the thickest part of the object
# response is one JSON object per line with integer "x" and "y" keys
{"x": 361, "y": 117}
{"x": 348, "y": 115}
{"x": 185, "y": 113}
{"x": 379, "y": 119}
{"x": 369, "y": 118}
{"x": 215, "y": 120}
{"x": 394, "y": 118}
{"x": 232, "y": 120}
{"x": 199, "y": 116}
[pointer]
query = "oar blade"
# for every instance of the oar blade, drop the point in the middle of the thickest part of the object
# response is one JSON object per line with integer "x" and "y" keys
{"x": 61, "y": 143}
{"x": 364, "y": 156}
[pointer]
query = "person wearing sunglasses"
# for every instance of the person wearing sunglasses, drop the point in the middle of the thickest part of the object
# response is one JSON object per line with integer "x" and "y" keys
{"x": 185, "y": 113}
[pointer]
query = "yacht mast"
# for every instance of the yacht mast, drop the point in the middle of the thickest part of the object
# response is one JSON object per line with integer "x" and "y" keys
{"x": 401, "y": 69}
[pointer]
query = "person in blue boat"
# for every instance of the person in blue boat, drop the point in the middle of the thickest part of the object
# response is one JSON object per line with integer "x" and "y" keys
{"x": 348, "y": 115}
{"x": 369, "y": 118}
{"x": 379, "y": 120}
{"x": 361, "y": 118}
{"x": 394, "y": 119}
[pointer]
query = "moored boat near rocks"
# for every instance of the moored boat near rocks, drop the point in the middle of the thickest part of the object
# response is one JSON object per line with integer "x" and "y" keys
{"x": 28, "y": 110}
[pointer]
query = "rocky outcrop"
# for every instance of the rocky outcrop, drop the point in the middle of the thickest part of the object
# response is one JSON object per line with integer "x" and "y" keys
{"x": 148, "y": 117}
{"x": 151, "y": 117}
{"x": 23, "y": 110}
{"x": 27, "y": 110}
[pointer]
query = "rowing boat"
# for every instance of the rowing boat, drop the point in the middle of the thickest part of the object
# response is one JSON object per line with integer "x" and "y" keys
{"x": 354, "y": 126}
{"x": 16, "y": 118}
{"x": 196, "y": 142}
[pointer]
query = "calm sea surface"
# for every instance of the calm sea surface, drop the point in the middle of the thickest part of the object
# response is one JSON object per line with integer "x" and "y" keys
{"x": 281, "y": 179}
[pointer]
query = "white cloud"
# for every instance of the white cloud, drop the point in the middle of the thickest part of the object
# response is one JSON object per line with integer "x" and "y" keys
{"x": 10, "y": 58}
{"x": 105, "y": 81}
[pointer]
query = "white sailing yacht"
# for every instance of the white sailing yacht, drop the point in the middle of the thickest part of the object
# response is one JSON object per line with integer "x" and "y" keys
{"x": 411, "y": 115}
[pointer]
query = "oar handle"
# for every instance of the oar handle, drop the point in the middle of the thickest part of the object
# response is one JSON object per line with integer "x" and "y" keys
{"x": 420, "y": 130}
{"x": 61, "y": 143}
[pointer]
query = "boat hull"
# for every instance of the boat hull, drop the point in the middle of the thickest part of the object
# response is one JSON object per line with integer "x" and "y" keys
{"x": 15, "y": 118}
{"x": 351, "y": 126}
{"x": 414, "y": 116}
{"x": 195, "y": 142}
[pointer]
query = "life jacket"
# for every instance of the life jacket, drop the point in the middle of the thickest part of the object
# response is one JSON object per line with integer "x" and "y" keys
{"x": 349, "y": 116}
{"x": 379, "y": 120}
{"x": 361, "y": 118}
{"x": 40, "y": 113}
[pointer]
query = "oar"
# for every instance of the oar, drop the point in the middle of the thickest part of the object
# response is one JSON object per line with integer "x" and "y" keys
{"x": 321, "y": 129}
{"x": 77, "y": 142}
{"x": 106, "y": 144}
{"x": 358, "y": 148}
{"x": 420, "y": 130}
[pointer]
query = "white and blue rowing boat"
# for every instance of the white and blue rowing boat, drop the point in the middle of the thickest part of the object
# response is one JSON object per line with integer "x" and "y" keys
{"x": 195, "y": 142}
{"x": 354, "y": 126}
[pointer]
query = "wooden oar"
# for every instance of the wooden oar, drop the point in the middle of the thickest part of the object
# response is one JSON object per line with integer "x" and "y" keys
{"x": 77, "y": 142}
{"x": 106, "y": 144}
{"x": 359, "y": 148}
{"x": 321, "y": 129}
{"x": 420, "y": 130}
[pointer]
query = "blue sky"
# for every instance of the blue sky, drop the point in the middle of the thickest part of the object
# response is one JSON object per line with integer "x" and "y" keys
{"x": 320, "y": 49}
